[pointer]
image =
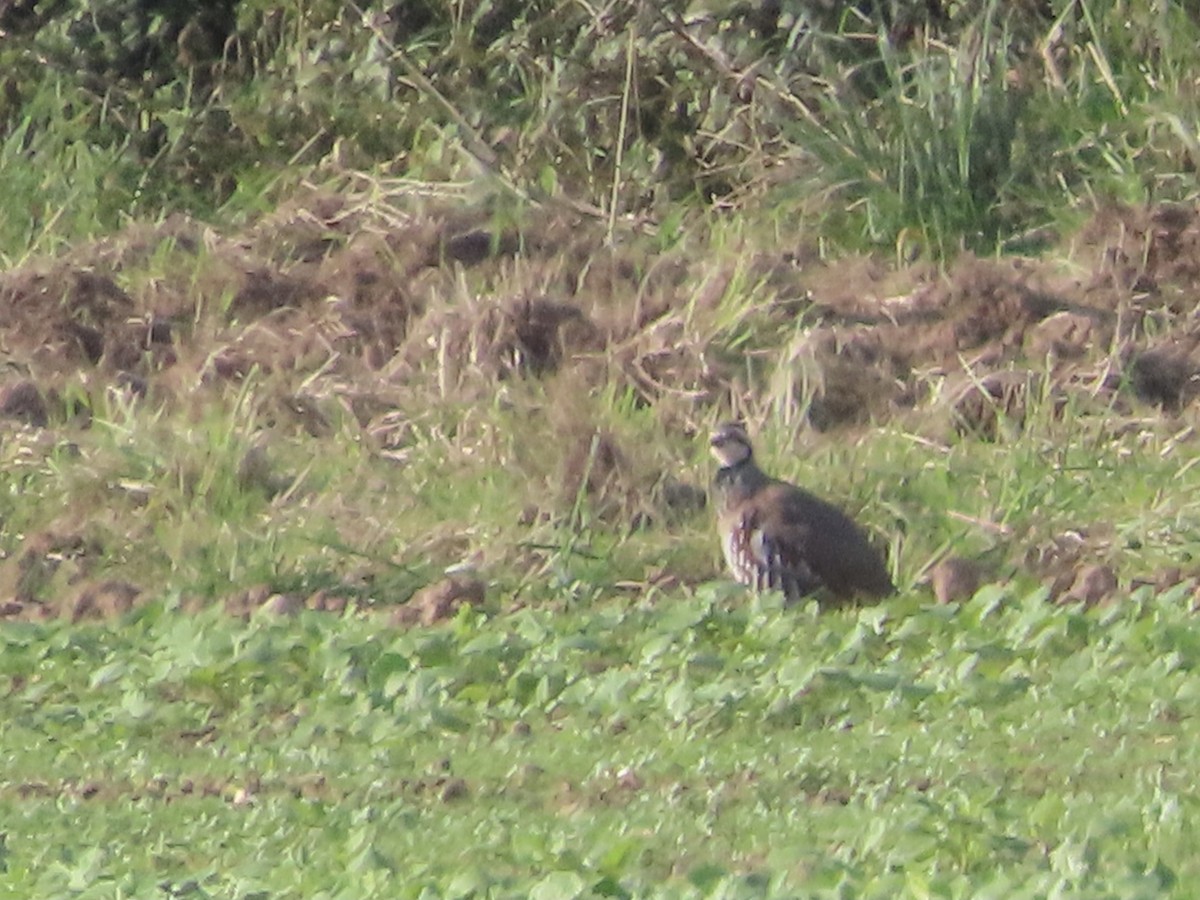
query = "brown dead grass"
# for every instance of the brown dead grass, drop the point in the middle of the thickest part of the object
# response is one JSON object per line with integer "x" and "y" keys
{"x": 360, "y": 311}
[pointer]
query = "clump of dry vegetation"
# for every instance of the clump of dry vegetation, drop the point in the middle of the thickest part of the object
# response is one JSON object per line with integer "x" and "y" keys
{"x": 297, "y": 357}
{"x": 334, "y": 341}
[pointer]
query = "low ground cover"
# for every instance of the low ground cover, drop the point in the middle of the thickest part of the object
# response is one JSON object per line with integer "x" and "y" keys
{"x": 710, "y": 745}
{"x": 357, "y": 371}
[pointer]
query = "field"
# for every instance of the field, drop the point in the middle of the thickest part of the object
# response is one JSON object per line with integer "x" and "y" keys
{"x": 707, "y": 744}
{"x": 358, "y": 367}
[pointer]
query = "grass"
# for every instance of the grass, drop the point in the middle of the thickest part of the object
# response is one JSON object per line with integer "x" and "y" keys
{"x": 228, "y": 500}
{"x": 972, "y": 132}
{"x": 934, "y": 155}
{"x": 342, "y": 409}
{"x": 623, "y": 722}
{"x": 706, "y": 745}
{"x": 679, "y": 741}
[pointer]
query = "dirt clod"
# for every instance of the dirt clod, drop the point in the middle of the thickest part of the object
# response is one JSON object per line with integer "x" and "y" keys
{"x": 244, "y": 603}
{"x": 283, "y": 605}
{"x": 472, "y": 247}
{"x": 1168, "y": 578}
{"x": 440, "y": 601}
{"x": 104, "y": 600}
{"x": 1094, "y": 583}
{"x": 454, "y": 789}
{"x": 1166, "y": 376}
{"x": 23, "y": 402}
{"x": 324, "y": 601}
{"x": 955, "y": 579}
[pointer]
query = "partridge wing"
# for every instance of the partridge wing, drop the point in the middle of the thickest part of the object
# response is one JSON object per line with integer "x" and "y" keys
{"x": 832, "y": 547}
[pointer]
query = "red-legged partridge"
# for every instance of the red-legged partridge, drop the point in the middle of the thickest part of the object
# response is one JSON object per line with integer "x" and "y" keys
{"x": 777, "y": 536}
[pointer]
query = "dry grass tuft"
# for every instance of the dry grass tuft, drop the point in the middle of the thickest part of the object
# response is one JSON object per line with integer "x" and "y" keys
{"x": 383, "y": 372}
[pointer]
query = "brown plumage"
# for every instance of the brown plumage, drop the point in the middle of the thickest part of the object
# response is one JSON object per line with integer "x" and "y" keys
{"x": 777, "y": 536}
